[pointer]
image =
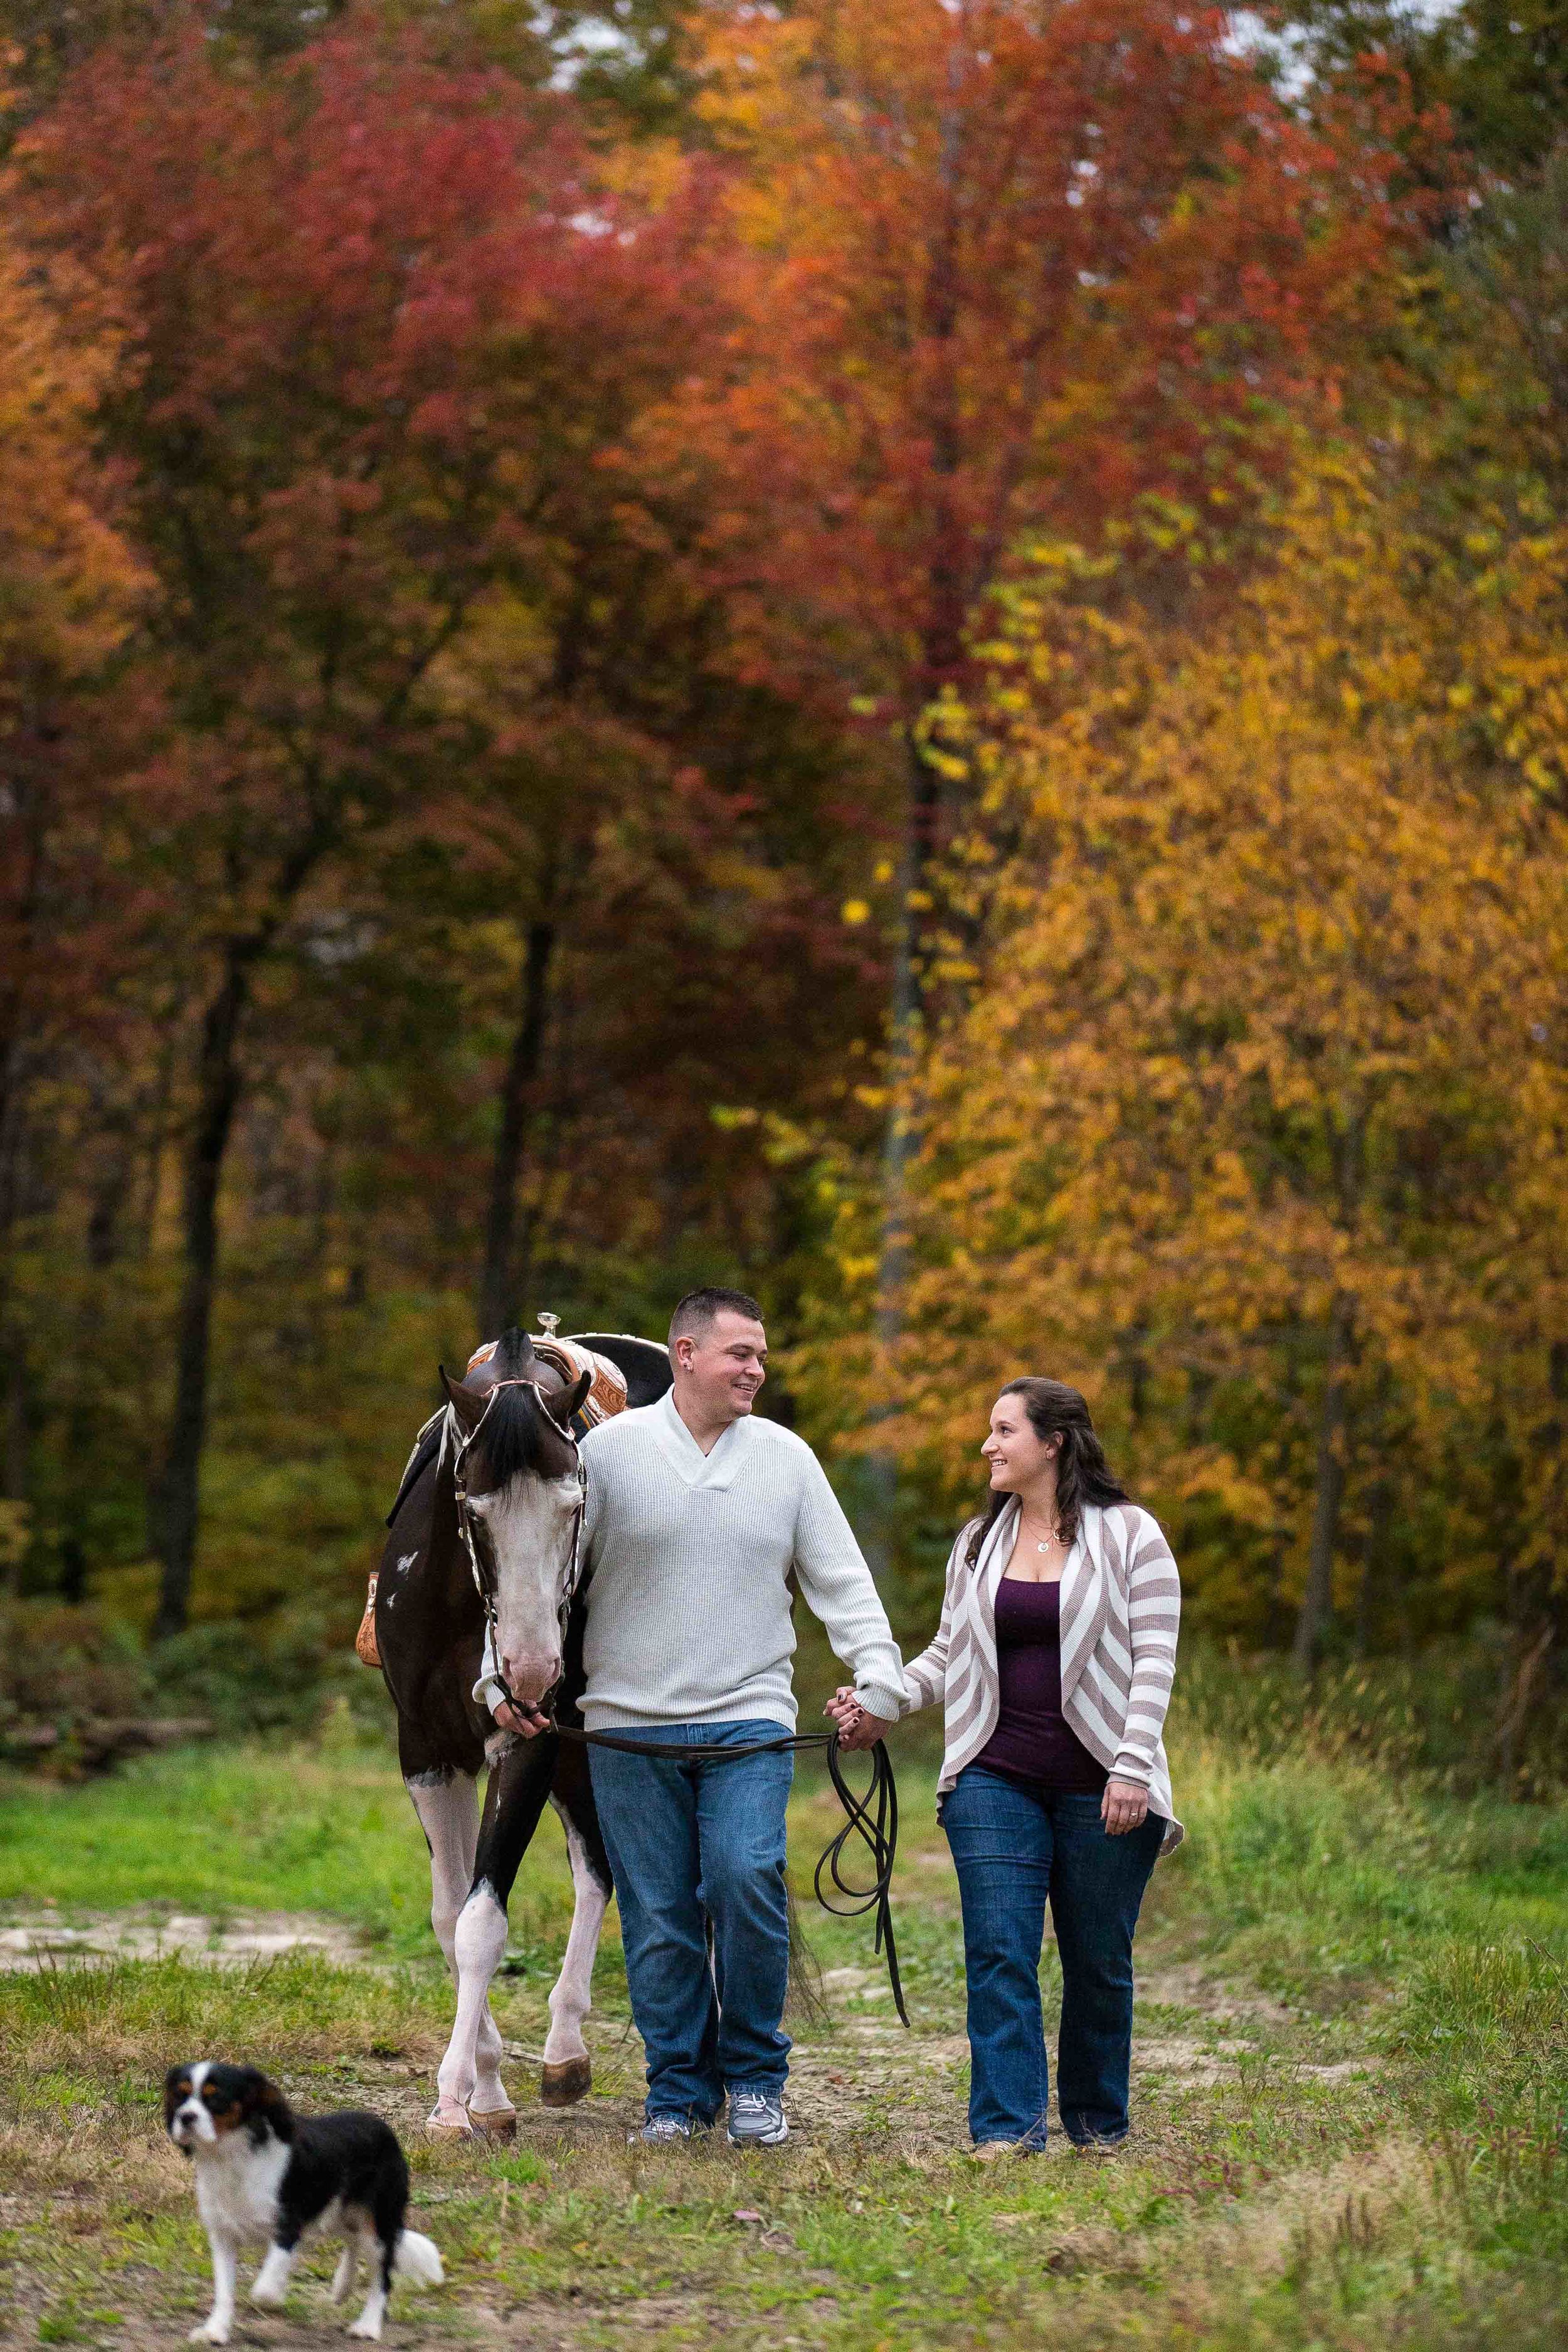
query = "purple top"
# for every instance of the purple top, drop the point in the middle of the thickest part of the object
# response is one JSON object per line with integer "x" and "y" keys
{"x": 1033, "y": 1740}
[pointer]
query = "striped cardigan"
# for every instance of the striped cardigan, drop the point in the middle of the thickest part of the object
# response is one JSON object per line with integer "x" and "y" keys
{"x": 1122, "y": 1604}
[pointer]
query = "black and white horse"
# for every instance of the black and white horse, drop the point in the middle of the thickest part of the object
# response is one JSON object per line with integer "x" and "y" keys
{"x": 502, "y": 1455}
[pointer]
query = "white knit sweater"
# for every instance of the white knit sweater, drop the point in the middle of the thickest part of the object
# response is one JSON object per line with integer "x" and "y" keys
{"x": 687, "y": 1555}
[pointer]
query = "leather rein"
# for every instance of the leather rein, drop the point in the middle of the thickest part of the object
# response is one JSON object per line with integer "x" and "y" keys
{"x": 871, "y": 1815}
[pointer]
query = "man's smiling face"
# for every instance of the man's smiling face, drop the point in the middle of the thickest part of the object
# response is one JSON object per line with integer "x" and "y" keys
{"x": 722, "y": 1372}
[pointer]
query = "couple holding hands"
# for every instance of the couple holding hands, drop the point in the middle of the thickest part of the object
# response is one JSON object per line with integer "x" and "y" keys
{"x": 1052, "y": 1662}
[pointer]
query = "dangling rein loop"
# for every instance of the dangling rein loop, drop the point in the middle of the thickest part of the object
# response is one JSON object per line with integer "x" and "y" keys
{"x": 872, "y": 1816}
{"x": 879, "y": 1832}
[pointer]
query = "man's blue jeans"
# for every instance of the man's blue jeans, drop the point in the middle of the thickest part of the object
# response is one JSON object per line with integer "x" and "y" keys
{"x": 1013, "y": 1847}
{"x": 694, "y": 1846}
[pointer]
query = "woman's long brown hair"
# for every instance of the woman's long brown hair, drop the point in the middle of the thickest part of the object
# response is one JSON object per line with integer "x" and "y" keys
{"x": 1083, "y": 1474}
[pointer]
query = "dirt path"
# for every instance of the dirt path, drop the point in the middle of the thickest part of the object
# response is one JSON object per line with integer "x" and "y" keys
{"x": 571, "y": 2241}
{"x": 45, "y": 1939}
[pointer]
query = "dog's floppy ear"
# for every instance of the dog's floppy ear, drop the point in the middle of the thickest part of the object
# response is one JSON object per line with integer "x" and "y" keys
{"x": 263, "y": 2109}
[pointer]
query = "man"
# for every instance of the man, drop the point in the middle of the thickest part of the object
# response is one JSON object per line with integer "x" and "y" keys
{"x": 697, "y": 1513}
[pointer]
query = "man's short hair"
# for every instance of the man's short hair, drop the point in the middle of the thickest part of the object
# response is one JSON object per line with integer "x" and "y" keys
{"x": 694, "y": 1318}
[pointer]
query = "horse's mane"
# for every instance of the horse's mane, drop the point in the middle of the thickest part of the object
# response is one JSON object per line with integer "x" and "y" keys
{"x": 520, "y": 1438}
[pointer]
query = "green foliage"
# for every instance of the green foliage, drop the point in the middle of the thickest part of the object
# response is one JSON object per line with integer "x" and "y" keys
{"x": 58, "y": 1668}
{"x": 631, "y": 61}
{"x": 1353, "y": 2066}
{"x": 1499, "y": 68}
{"x": 1432, "y": 1714}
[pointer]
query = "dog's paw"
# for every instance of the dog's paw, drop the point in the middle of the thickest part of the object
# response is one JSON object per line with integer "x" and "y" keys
{"x": 211, "y": 2331}
{"x": 269, "y": 2297}
{"x": 366, "y": 2326}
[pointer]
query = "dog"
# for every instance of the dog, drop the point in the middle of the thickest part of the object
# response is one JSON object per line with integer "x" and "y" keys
{"x": 263, "y": 2171}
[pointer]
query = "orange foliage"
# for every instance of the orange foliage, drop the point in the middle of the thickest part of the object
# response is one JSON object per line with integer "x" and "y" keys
{"x": 1253, "y": 1128}
{"x": 999, "y": 269}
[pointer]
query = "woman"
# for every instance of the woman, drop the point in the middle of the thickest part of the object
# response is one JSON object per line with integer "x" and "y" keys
{"x": 1054, "y": 1660}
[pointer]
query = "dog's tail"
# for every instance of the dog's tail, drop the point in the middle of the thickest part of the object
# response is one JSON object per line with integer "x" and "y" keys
{"x": 417, "y": 2260}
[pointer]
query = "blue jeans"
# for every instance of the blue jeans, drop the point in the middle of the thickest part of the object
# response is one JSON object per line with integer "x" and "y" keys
{"x": 698, "y": 1850}
{"x": 1012, "y": 1847}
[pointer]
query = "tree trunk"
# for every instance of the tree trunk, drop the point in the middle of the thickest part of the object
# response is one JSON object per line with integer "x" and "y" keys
{"x": 1380, "y": 1515}
{"x": 941, "y": 655}
{"x": 1318, "y": 1599}
{"x": 1534, "y": 1606}
{"x": 899, "y": 1137}
{"x": 498, "y": 1306}
{"x": 177, "y": 1497}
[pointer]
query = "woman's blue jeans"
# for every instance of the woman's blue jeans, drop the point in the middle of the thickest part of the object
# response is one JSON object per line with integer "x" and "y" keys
{"x": 1013, "y": 1848}
{"x": 696, "y": 1850}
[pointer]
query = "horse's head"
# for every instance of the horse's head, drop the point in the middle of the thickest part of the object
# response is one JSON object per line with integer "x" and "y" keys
{"x": 522, "y": 1486}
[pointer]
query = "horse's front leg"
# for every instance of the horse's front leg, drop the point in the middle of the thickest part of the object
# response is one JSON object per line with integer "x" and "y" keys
{"x": 568, "y": 2072}
{"x": 479, "y": 1946}
{"x": 446, "y": 1802}
{"x": 520, "y": 1780}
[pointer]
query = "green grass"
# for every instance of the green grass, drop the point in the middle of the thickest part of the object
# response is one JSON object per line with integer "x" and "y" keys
{"x": 1355, "y": 2071}
{"x": 214, "y": 1830}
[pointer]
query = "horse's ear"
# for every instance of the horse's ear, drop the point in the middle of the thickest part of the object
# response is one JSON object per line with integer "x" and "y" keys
{"x": 565, "y": 1408}
{"x": 469, "y": 1408}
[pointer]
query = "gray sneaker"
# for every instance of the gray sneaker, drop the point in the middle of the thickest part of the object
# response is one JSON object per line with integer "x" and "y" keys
{"x": 757, "y": 2119}
{"x": 663, "y": 2131}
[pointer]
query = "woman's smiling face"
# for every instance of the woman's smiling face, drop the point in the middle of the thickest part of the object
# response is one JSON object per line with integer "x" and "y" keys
{"x": 1016, "y": 1455}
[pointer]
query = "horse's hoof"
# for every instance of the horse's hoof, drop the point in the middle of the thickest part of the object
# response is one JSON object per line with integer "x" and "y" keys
{"x": 564, "y": 2086}
{"x": 494, "y": 2123}
{"x": 436, "y": 2128}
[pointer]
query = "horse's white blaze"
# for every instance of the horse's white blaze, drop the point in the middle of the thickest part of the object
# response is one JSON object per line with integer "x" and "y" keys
{"x": 449, "y": 1815}
{"x": 479, "y": 1946}
{"x": 572, "y": 1997}
{"x": 531, "y": 1523}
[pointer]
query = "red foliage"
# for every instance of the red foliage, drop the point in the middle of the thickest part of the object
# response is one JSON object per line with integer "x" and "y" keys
{"x": 1005, "y": 270}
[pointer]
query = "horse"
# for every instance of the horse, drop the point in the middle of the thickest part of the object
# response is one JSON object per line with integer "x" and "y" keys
{"x": 486, "y": 1523}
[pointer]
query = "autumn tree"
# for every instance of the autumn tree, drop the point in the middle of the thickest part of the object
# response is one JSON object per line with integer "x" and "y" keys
{"x": 1247, "y": 1128}
{"x": 69, "y": 593}
{"x": 1001, "y": 270}
{"x": 378, "y": 315}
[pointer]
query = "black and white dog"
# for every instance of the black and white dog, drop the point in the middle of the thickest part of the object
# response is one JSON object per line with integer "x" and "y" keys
{"x": 262, "y": 2171}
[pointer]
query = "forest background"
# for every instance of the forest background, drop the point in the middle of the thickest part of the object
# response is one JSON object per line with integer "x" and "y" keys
{"x": 913, "y": 656}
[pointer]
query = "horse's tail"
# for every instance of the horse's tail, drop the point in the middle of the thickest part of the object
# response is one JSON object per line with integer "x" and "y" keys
{"x": 806, "y": 1997}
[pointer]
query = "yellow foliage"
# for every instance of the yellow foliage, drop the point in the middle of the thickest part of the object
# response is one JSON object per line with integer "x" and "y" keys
{"x": 68, "y": 582}
{"x": 1254, "y": 1117}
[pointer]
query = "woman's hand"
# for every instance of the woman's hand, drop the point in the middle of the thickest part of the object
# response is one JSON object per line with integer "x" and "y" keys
{"x": 1124, "y": 1807}
{"x": 856, "y": 1726}
{"x": 845, "y": 1708}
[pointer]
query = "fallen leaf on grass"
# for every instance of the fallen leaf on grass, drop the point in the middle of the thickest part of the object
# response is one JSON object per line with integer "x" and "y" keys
{"x": 745, "y": 2213}
{"x": 778, "y": 2241}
